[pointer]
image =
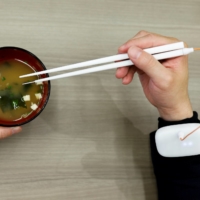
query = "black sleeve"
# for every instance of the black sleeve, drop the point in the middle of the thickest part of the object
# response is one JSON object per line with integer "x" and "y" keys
{"x": 177, "y": 178}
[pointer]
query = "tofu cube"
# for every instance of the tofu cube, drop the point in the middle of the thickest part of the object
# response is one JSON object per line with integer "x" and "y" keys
{"x": 39, "y": 83}
{"x": 27, "y": 98}
{"x": 38, "y": 95}
{"x": 34, "y": 106}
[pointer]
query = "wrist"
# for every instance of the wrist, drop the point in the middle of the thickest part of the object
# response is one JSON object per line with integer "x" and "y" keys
{"x": 179, "y": 113}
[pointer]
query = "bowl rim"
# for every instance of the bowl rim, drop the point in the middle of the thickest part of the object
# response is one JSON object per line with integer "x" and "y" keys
{"x": 48, "y": 92}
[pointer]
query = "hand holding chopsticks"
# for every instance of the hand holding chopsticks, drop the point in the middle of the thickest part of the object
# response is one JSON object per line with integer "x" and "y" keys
{"x": 160, "y": 52}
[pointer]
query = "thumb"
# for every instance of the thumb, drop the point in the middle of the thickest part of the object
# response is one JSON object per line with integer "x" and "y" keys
{"x": 6, "y": 132}
{"x": 147, "y": 63}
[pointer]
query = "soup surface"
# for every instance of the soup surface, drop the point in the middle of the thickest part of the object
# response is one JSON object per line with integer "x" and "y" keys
{"x": 16, "y": 100}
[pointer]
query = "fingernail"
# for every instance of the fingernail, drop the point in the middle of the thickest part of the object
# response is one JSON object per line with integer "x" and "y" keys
{"x": 134, "y": 52}
{"x": 121, "y": 48}
{"x": 16, "y": 130}
{"x": 124, "y": 81}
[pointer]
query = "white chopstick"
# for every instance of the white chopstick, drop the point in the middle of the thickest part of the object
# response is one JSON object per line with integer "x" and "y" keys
{"x": 154, "y": 50}
{"x": 170, "y": 54}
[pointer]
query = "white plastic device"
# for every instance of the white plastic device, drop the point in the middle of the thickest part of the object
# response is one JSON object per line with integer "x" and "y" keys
{"x": 178, "y": 140}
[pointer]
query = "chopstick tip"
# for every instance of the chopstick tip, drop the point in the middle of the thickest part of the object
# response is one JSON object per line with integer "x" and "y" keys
{"x": 28, "y": 83}
{"x": 22, "y": 76}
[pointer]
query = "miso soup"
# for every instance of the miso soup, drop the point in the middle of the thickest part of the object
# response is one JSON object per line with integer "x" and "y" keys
{"x": 17, "y": 101}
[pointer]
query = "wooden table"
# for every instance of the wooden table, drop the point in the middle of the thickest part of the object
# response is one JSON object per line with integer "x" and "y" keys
{"x": 92, "y": 140}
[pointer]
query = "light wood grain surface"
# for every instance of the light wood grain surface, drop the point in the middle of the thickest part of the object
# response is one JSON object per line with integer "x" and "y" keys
{"x": 92, "y": 140}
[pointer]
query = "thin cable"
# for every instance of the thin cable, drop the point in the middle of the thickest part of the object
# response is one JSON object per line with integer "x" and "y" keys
{"x": 189, "y": 133}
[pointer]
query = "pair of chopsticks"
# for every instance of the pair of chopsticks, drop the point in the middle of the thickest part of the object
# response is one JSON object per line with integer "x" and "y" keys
{"x": 160, "y": 52}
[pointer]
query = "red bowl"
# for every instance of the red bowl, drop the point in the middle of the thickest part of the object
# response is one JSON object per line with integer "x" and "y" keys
{"x": 7, "y": 53}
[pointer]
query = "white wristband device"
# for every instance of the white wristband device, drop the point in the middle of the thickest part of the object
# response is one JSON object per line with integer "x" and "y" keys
{"x": 178, "y": 140}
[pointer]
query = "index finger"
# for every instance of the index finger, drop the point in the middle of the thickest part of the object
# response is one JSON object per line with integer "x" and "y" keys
{"x": 147, "y": 41}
